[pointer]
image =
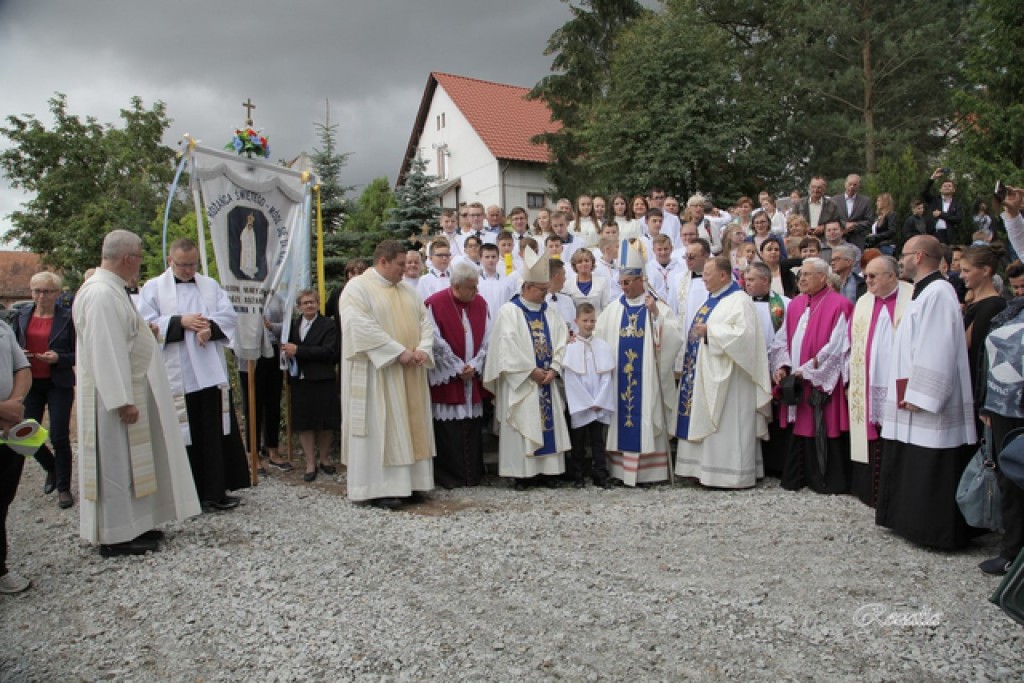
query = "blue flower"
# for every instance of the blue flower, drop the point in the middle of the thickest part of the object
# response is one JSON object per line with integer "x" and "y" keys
{"x": 237, "y": 144}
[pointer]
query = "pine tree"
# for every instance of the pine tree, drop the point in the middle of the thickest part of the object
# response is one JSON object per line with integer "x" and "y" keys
{"x": 416, "y": 203}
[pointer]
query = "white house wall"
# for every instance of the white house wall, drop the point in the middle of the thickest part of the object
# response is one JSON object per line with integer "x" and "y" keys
{"x": 471, "y": 162}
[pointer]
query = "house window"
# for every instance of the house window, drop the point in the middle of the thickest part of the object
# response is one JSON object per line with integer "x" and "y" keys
{"x": 535, "y": 200}
{"x": 438, "y": 122}
{"x": 442, "y": 162}
{"x": 442, "y": 119}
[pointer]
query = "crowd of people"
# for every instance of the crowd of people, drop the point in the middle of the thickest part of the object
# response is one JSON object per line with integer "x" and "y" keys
{"x": 624, "y": 341}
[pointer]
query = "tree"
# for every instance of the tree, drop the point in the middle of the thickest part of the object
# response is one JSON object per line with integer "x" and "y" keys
{"x": 583, "y": 49}
{"x": 361, "y": 231}
{"x": 698, "y": 126}
{"x": 989, "y": 143}
{"x": 415, "y": 203}
{"x": 86, "y": 179}
{"x": 858, "y": 80}
{"x": 328, "y": 162}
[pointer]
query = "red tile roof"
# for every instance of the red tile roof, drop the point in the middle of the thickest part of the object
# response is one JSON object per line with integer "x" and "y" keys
{"x": 500, "y": 114}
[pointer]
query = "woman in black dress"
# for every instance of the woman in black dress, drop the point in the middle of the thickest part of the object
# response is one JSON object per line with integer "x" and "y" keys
{"x": 977, "y": 267}
{"x": 313, "y": 352}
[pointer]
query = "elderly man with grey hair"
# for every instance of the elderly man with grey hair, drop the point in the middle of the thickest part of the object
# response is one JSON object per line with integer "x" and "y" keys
{"x": 813, "y": 346}
{"x": 876, "y": 317}
{"x": 851, "y": 284}
{"x": 708, "y": 227}
{"x": 133, "y": 470}
{"x": 462, "y": 330}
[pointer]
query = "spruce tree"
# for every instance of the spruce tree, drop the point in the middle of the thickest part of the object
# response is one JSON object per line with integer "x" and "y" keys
{"x": 416, "y": 203}
{"x": 328, "y": 163}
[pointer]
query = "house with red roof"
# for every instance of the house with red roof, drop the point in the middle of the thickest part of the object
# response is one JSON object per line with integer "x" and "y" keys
{"x": 476, "y": 137}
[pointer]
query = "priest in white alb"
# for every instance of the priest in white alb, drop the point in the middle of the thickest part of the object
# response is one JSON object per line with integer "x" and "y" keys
{"x": 725, "y": 388}
{"x": 876, "y": 316}
{"x": 387, "y": 339}
{"x": 133, "y": 470}
{"x": 528, "y": 342}
{"x": 645, "y": 338}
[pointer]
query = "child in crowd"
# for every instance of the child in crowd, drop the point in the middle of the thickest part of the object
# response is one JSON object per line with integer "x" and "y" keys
{"x": 587, "y": 371}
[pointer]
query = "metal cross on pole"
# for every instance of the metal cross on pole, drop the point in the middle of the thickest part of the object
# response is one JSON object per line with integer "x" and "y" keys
{"x": 249, "y": 106}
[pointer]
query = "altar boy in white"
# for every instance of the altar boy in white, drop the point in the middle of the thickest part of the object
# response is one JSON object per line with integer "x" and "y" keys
{"x": 527, "y": 347}
{"x": 590, "y": 393}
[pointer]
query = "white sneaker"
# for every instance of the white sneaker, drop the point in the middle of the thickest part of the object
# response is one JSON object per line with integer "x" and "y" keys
{"x": 11, "y": 583}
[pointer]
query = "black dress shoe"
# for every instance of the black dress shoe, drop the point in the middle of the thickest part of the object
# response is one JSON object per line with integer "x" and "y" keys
{"x": 328, "y": 469}
{"x": 225, "y": 503}
{"x": 309, "y": 476}
{"x": 50, "y": 485}
{"x": 137, "y": 546}
{"x": 386, "y": 503}
{"x": 520, "y": 485}
{"x": 579, "y": 484}
{"x": 65, "y": 500}
{"x": 153, "y": 535}
{"x": 284, "y": 466}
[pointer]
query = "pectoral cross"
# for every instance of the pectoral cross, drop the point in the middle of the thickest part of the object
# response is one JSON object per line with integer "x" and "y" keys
{"x": 249, "y": 106}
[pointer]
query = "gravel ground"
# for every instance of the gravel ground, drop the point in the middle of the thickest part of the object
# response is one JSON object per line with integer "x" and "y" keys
{"x": 489, "y": 584}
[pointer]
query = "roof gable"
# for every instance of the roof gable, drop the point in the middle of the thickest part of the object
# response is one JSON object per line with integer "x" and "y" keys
{"x": 500, "y": 114}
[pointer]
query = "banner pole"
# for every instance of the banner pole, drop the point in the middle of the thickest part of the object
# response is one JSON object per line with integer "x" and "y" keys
{"x": 254, "y": 456}
{"x": 321, "y": 286}
{"x": 288, "y": 417}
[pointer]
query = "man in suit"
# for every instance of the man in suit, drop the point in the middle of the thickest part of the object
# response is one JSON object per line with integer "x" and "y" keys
{"x": 855, "y": 212}
{"x": 945, "y": 210}
{"x": 817, "y": 209}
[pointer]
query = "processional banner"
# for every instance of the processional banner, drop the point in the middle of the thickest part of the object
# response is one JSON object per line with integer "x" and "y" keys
{"x": 258, "y": 215}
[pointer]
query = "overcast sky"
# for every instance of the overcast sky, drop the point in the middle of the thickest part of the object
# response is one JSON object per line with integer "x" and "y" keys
{"x": 203, "y": 59}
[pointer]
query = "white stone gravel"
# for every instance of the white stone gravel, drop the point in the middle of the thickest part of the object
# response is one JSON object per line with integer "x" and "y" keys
{"x": 488, "y": 584}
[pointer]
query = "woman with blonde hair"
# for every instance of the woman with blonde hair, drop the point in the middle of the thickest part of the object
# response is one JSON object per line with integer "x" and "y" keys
{"x": 883, "y": 230}
{"x": 583, "y": 285}
{"x": 47, "y": 333}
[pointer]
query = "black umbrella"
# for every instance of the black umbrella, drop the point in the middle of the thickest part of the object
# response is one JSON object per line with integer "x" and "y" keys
{"x": 818, "y": 400}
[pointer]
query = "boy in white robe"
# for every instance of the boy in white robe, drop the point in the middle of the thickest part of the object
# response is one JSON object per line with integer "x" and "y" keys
{"x": 587, "y": 373}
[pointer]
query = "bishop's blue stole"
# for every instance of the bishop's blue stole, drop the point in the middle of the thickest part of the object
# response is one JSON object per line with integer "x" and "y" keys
{"x": 537, "y": 323}
{"x": 690, "y": 362}
{"x": 632, "y": 330}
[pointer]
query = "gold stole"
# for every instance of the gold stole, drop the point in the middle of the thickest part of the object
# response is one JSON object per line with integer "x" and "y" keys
{"x": 406, "y": 331}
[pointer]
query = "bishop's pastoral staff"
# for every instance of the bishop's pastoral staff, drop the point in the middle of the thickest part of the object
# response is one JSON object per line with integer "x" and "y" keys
{"x": 525, "y": 356}
{"x": 133, "y": 468}
{"x": 645, "y": 338}
{"x": 725, "y": 388}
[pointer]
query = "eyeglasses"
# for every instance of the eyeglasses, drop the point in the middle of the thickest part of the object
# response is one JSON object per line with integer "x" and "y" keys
{"x": 464, "y": 215}
{"x": 44, "y": 291}
{"x": 185, "y": 266}
{"x": 691, "y": 257}
{"x": 909, "y": 253}
{"x": 445, "y": 255}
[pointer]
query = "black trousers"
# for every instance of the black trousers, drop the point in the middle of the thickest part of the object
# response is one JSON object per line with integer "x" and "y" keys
{"x": 217, "y": 460}
{"x": 592, "y": 435}
{"x": 11, "y": 466}
{"x": 45, "y": 396}
{"x": 269, "y": 383}
{"x": 1012, "y": 496}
